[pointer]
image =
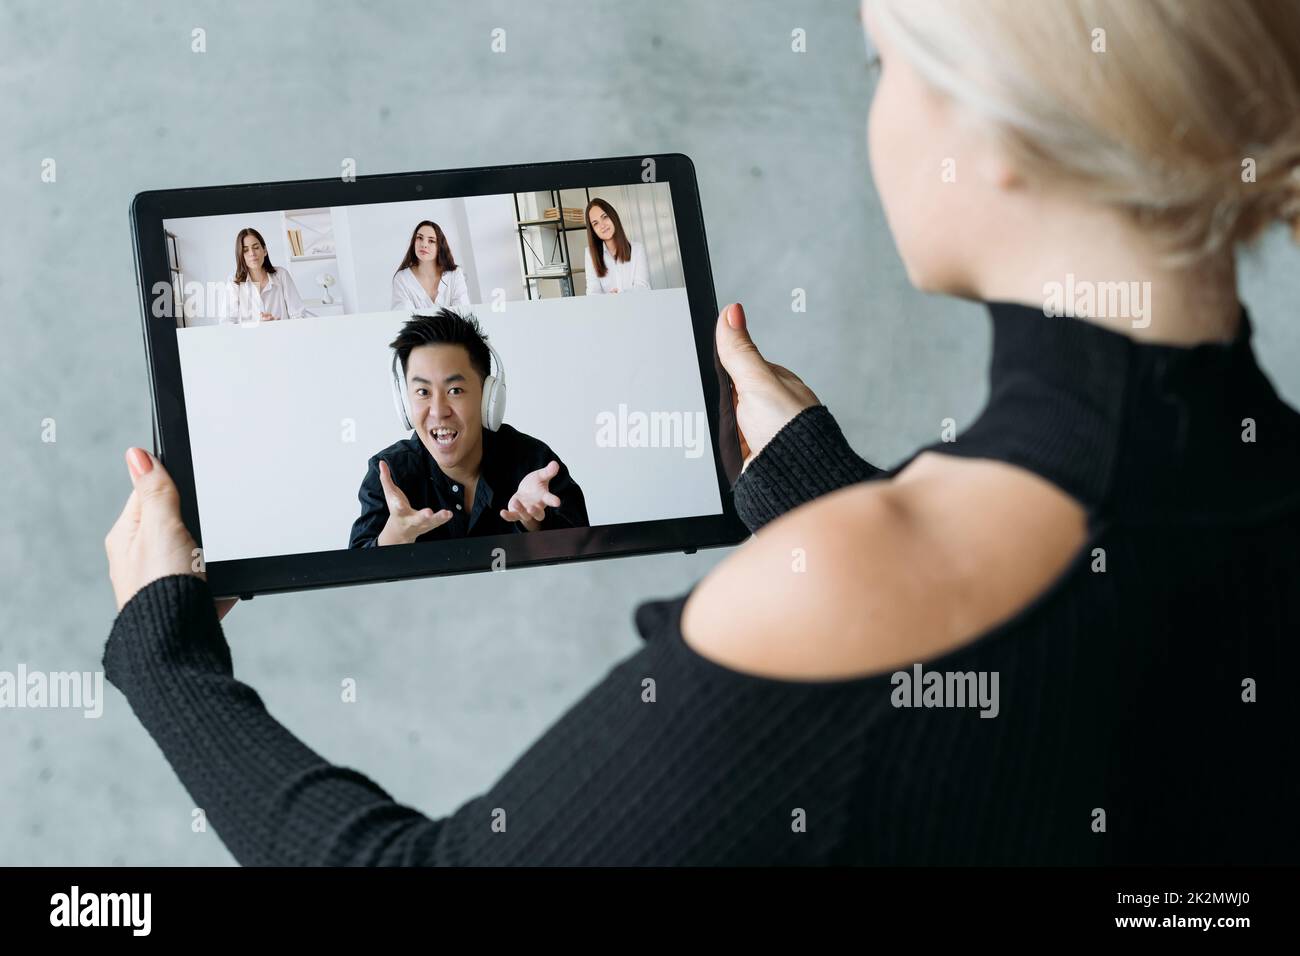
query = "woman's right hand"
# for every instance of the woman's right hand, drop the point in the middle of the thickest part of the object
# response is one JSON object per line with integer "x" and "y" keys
{"x": 150, "y": 541}
{"x": 766, "y": 396}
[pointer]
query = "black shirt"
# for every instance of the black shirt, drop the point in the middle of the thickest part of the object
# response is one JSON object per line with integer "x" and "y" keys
{"x": 1121, "y": 687}
{"x": 508, "y": 456}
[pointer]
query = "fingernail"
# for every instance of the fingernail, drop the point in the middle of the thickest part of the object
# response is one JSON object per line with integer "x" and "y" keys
{"x": 733, "y": 316}
{"x": 139, "y": 462}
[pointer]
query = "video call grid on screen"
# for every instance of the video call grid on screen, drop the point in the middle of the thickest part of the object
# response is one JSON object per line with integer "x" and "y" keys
{"x": 288, "y": 387}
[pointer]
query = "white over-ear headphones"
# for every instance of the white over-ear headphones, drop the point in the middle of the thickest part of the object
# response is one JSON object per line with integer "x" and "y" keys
{"x": 494, "y": 393}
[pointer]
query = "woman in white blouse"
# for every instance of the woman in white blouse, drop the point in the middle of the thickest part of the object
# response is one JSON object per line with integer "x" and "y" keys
{"x": 614, "y": 263}
{"x": 428, "y": 277}
{"x": 258, "y": 291}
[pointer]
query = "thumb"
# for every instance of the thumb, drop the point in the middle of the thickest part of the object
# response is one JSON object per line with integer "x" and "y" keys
{"x": 150, "y": 479}
{"x": 736, "y": 350}
{"x": 394, "y": 497}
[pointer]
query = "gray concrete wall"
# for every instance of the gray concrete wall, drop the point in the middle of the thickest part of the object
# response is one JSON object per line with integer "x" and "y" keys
{"x": 447, "y": 700}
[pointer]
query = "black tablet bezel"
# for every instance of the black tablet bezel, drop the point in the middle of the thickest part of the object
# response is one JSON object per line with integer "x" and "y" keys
{"x": 246, "y": 577}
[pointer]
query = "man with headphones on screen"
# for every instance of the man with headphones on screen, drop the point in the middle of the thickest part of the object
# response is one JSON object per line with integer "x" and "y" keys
{"x": 464, "y": 473}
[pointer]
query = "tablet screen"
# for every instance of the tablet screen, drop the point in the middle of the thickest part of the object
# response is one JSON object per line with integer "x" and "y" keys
{"x": 520, "y": 363}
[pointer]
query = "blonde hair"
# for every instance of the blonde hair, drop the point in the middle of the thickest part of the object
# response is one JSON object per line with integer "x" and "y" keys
{"x": 1185, "y": 113}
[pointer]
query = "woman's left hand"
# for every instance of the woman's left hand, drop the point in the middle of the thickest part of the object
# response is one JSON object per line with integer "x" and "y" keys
{"x": 149, "y": 540}
{"x": 767, "y": 396}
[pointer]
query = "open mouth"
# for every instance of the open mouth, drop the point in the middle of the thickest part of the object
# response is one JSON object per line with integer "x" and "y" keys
{"x": 444, "y": 437}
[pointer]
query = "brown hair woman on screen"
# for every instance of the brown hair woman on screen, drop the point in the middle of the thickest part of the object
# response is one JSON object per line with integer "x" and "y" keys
{"x": 257, "y": 291}
{"x": 428, "y": 277}
{"x": 614, "y": 263}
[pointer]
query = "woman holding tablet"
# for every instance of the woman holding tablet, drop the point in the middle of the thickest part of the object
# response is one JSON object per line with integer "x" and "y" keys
{"x": 614, "y": 263}
{"x": 428, "y": 277}
{"x": 1103, "y": 563}
{"x": 258, "y": 291}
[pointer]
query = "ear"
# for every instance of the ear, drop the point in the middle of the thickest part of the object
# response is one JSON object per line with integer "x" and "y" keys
{"x": 996, "y": 167}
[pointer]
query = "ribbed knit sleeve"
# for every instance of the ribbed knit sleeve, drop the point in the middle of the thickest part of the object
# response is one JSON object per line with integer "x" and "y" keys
{"x": 669, "y": 760}
{"x": 809, "y": 457}
{"x": 273, "y": 800}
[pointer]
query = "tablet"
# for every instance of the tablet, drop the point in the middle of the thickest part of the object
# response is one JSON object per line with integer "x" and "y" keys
{"x": 373, "y": 378}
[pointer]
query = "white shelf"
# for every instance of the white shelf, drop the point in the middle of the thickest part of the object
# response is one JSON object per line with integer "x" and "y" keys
{"x": 315, "y": 228}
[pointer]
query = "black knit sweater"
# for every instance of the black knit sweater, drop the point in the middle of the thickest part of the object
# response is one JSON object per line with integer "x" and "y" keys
{"x": 1121, "y": 734}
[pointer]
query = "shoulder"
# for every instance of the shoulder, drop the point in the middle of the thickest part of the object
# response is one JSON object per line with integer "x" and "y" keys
{"x": 523, "y": 447}
{"x": 882, "y": 574}
{"x": 404, "y": 453}
{"x": 512, "y": 437}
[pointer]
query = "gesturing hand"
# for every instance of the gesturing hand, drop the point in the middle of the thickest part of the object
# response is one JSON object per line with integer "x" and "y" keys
{"x": 766, "y": 396}
{"x": 528, "y": 505}
{"x": 404, "y": 523}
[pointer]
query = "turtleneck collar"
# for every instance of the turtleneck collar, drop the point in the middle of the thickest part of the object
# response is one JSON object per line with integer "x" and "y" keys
{"x": 1136, "y": 430}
